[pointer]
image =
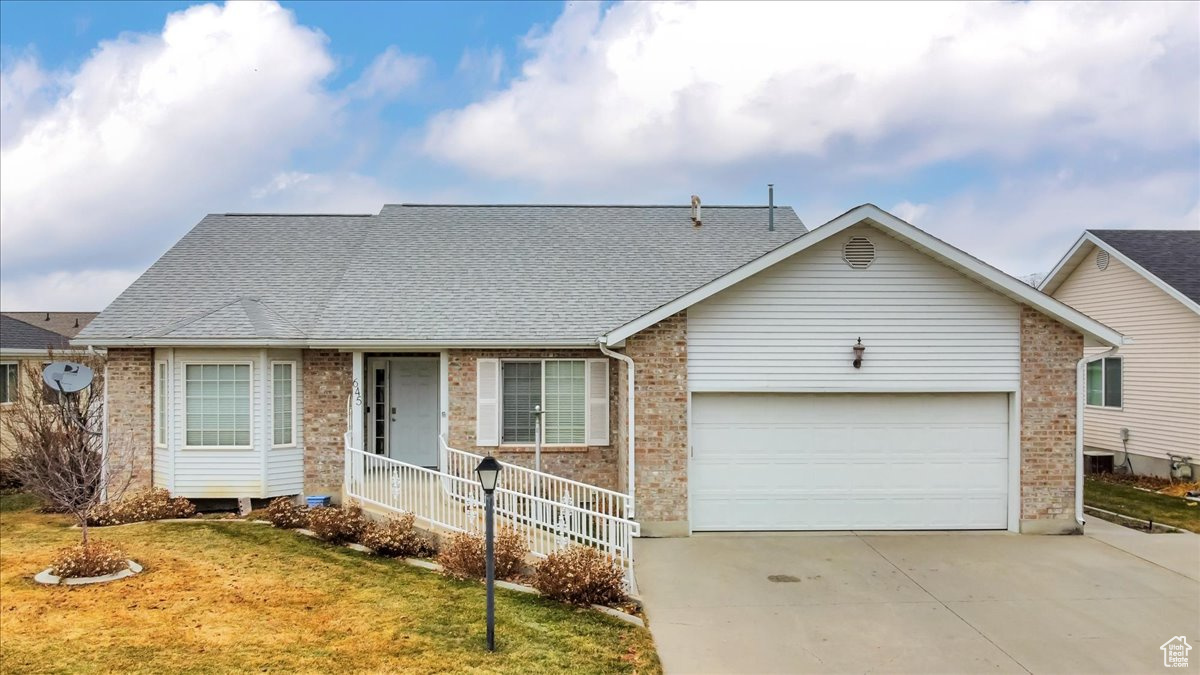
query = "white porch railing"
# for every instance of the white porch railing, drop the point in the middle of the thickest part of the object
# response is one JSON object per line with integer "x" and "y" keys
{"x": 540, "y": 508}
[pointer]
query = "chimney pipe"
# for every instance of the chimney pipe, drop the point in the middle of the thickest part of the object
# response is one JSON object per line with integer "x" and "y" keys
{"x": 770, "y": 207}
{"x": 696, "y": 210}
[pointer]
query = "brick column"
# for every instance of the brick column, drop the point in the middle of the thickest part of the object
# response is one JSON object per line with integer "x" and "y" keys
{"x": 130, "y": 412}
{"x": 1050, "y": 352}
{"x": 328, "y": 376}
{"x": 660, "y": 390}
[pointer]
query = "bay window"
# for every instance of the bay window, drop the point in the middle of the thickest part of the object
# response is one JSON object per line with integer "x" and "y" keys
{"x": 217, "y": 405}
{"x": 283, "y": 403}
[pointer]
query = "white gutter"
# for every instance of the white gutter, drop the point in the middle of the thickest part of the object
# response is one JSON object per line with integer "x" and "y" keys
{"x": 630, "y": 442}
{"x": 1080, "y": 401}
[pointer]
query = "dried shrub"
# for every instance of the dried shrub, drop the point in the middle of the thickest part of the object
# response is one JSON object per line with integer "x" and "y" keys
{"x": 154, "y": 504}
{"x": 283, "y": 512}
{"x": 9, "y": 480}
{"x": 336, "y": 524}
{"x": 397, "y": 537}
{"x": 93, "y": 559}
{"x": 462, "y": 555}
{"x": 580, "y": 575}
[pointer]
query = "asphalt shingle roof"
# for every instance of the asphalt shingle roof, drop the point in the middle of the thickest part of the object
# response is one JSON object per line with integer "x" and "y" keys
{"x": 437, "y": 272}
{"x": 16, "y": 334}
{"x": 63, "y": 323}
{"x": 1170, "y": 255}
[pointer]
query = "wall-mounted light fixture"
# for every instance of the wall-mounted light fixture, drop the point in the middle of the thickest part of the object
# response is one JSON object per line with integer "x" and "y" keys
{"x": 858, "y": 353}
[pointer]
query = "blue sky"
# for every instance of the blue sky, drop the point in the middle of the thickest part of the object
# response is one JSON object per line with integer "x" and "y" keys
{"x": 1004, "y": 129}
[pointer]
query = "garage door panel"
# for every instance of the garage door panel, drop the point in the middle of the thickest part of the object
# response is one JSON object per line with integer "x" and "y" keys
{"x": 845, "y": 461}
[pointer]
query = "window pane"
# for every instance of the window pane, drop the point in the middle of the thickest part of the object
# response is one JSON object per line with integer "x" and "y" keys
{"x": 282, "y": 404}
{"x": 8, "y": 382}
{"x": 161, "y": 418}
{"x": 1112, "y": 383}
{"x": 218, "y": 404}
{"x": 521, "y": 390}
{"x": 1095, "y": 383}
{"x": 566, "y": 404}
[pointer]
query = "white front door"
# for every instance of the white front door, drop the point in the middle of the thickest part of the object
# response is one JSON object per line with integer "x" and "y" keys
{"x": 413, "y": 434}
{"x": 849, "y": 461}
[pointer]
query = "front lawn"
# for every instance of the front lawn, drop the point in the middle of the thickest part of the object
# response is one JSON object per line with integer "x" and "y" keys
{"x": 1131, "y": 501}
{"x": 222, "y": 597}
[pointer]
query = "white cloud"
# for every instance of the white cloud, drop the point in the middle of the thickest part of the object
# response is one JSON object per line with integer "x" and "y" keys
{"x": 390, "y": 74}
{"x": 62, "y": 291}
{"x": 106, "y": 166}
{"x": 652, "y": 87}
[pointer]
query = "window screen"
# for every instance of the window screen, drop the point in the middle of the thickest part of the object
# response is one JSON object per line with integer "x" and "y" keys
{"x": 218, "y": 404}
{"x": 521, "y": 390}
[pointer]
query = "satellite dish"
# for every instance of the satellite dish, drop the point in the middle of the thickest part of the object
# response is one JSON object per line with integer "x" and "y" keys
{"x": 67, "y": 377}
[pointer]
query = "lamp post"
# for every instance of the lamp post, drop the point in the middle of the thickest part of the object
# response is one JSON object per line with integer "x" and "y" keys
{"x": 488, "y": 473}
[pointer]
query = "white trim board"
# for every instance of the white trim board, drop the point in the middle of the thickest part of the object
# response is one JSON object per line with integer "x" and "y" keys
{"x": 1079, "y": 252}
{"x": 876, "y": 217}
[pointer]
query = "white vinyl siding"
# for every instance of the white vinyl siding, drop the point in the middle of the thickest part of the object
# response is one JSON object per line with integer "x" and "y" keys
{"x": 792, "y": 326}
{"x": 8, "y": 382}
{"x": 1160, "y": 370}
{"x": 217, "y": 405}
{"x": 283, "y": 405}
{"x": 255, "y": 471}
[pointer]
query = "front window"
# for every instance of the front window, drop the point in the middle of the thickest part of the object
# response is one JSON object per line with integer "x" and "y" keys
{"x": 160, "y": 402}
{"x": 218, "y": 404}
{"x": 283, "y": 403}
{"x": 558, "y": 386}
{"x": 8, "y": 382}
{"x": 1104, "y": 383}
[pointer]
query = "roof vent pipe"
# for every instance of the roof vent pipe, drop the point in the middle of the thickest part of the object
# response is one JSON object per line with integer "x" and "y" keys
{"x": 770, "y": 207}
{"x": 696, "y": 210}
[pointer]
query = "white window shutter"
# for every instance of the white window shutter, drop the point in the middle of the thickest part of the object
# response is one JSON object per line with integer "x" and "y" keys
{"x": 487, "y": 402}
{"x": 597, "y": 402}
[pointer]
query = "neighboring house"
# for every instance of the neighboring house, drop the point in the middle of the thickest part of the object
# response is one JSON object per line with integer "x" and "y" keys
{"x": 1145, "y": 284}
{"x": 706, "y": 365}
{"x": 26, "y": 339}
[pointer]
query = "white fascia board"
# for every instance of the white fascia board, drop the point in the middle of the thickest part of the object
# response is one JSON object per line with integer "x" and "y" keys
{"x": 876, "y": 217}
{"x": 1066, "y": 266}
{"x": 344, "y": 345}
{"x": 22, "y": 353}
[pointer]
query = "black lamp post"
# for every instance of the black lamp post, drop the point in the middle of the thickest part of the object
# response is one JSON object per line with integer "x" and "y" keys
{"x": 488, "y": 473}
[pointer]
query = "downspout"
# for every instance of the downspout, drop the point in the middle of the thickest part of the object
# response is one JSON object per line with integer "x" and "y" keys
{"x": 1080, "y": 401}
{"x": 631, "y": 443}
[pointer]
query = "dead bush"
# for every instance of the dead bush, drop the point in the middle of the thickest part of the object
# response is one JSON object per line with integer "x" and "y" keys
{"x": 93, "y": 559}
{"x": 462, "y": 555}
{"x": 336, "y": 524}
{"x": 154, "y": 504}
{"x": 8, "y": 475}
{"x": 283, "y": 512}
{"x": 397, "y": 537}
{"x": 580, "y": 575}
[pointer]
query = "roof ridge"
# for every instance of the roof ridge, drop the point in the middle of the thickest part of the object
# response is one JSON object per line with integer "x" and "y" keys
{"x": 595, "y": 206}
{"x": 296, "y": 215}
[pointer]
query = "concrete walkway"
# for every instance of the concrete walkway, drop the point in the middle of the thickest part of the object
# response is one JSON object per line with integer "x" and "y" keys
{"x": 1178, "y": 552}
{"x": 920, "y": 602}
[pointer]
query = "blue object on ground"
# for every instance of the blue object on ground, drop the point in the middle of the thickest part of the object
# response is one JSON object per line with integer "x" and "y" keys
{"x": 318, "y": 500}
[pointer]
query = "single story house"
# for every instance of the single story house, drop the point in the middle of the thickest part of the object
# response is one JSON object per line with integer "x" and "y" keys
{"x": 27, "y": 340}
{"x": 1143, "y": 404}
{"x": 703, "y": 362}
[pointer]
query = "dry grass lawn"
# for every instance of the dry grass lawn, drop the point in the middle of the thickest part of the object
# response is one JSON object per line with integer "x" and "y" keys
{"x": 222, "y": 597}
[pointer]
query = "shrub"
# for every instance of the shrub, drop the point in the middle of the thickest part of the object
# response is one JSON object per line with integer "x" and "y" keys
{"x": 285, "y": 513}
{"x": 8, "y": 476}
{"x": 92, "y": 559}
{"x": 397, "y": 537}
{"x": 462, "y": 555}
{"x": 154, "y": 504}
{"x": 335, "y": 524}
{"x": 580, "y": 575}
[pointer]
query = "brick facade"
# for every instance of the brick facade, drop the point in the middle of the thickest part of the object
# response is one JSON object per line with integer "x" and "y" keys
{"x": 130, "y": 390}
{"x": 660, "y": 383}
{"x": 1050, "y": 352}
{"x": 597, "y": 465}
{"x": 328, "y": 377}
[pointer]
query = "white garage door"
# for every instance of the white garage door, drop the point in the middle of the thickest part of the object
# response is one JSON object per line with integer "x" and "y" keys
{"x": 849, "y": 461}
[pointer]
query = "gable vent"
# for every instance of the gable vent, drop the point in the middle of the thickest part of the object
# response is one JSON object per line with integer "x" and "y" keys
{"x": 1102, "y": 260}
{"x": 859, "y": 253}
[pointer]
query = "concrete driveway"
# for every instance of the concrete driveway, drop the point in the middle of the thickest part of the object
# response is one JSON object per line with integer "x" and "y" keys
{"x": 920, "y": 602}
